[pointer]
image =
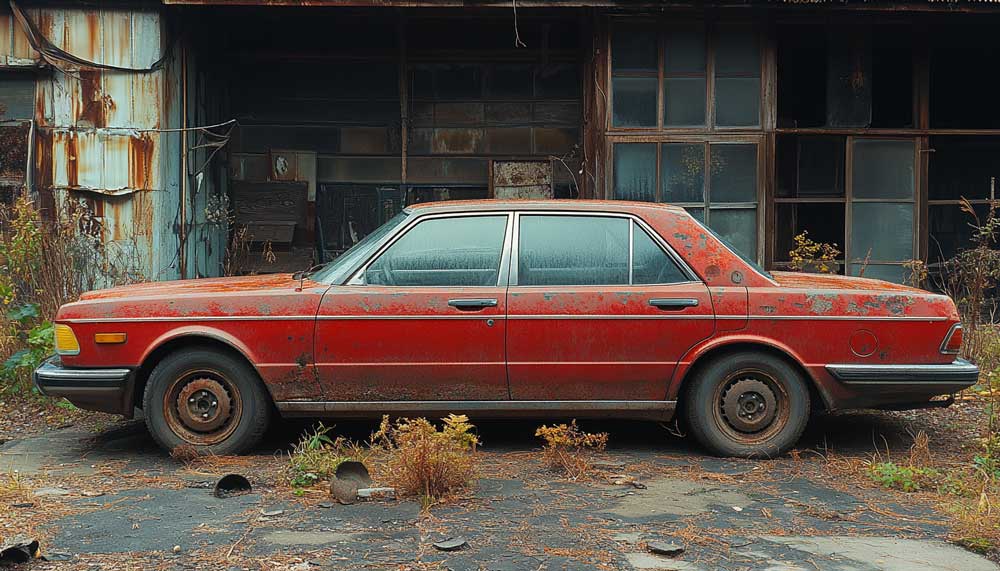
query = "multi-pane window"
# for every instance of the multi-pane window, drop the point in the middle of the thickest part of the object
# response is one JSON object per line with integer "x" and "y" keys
{"x": 685, "y": 76}
{"x": 865, "y": 205}
{"x": 715, "y": 181}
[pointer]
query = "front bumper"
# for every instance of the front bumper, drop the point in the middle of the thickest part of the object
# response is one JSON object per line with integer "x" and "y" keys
{"x": 906, "y": 386}
{"x": 104, "y": 390}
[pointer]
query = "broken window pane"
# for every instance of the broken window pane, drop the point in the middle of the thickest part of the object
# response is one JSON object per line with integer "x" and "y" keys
{"x": 734, "y": 173}
{"x": 682, "y": 169}
{"x": 737, "y": 101}
{"x": 684, "y": 101}
{"x": 650, "y": 264}
{"x": 572, "y": 250}
{"x": 633, "y": 49}
{"x": 810, "y": 166}
{"x": 883, "y": 169}
{"x": 962, "y": 167}
{"x": 951, "y": 229}
{"x": 885, "y": 228}
{"x": 635, "y": 171}
{"x": 634, "y": 101}
{"x": 738, "y": 226}
{"x": 443, "y": 252}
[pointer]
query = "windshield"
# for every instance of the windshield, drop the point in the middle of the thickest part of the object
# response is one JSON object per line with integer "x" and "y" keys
{"x": 340, "y": 268}
{"x": 750, "y": 262}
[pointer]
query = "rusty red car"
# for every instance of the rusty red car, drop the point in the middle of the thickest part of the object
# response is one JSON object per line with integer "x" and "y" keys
{"x": 541, "y": 309}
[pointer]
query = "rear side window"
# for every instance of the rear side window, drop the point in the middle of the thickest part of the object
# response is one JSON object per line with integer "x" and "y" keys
{"x": 573, "y": 250}
{"x": 590, "y": 250}
{"x": 459, "y": 251}
{"x": 650, "y": 264}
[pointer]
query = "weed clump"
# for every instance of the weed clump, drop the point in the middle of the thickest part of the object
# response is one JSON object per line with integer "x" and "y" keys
{"x": 316, "y": 456}
{"x": 568, "y": 449}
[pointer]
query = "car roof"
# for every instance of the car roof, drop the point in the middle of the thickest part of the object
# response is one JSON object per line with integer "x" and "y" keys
{"x": 558, "y": 205}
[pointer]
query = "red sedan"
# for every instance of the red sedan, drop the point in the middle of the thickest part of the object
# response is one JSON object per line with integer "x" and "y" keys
{"x": 520, "y": 308}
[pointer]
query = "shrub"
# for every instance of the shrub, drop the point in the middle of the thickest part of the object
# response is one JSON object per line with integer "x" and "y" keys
{"x": 809, "y": 255}
{"x": 424, "y": 461}
{"x": 905, "y": 478}
{"x": 568, "y": 449}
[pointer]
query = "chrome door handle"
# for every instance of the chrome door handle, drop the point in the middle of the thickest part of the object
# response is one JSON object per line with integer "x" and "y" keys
{"x": 673, "y": 303}
{"x": 472, "y": 304}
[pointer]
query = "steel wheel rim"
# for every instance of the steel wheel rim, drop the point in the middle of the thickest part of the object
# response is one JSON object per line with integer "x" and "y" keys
{"x": 202, "y": 407}
{"x": 760, "y": 397}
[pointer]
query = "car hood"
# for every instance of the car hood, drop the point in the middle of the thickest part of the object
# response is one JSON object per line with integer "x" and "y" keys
{"x": 241, "y": 284}
{"x": 830, "y": 281}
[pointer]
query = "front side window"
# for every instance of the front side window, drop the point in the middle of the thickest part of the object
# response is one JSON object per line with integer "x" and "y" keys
{"x": 456, "y": 251}
{"x": 590, "y": 250}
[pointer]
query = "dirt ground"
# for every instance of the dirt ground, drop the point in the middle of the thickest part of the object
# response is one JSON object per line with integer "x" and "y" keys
{"x": 99, "y": 495}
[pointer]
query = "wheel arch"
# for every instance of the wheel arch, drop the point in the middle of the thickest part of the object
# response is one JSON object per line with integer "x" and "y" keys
{"x": 183, "y": 339}
{"x": 701, "y": 356}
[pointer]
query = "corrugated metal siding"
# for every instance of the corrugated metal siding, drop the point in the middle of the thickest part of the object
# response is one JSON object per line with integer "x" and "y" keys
{"x": 98, "y": 138}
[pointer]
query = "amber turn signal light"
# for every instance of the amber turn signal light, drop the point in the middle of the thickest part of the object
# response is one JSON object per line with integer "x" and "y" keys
{"x": 109, "y": 338}
{"x": 65, "y": 340}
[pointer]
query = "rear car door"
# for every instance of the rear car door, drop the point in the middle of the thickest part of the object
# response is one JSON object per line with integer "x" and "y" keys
{"x": 424, "y": 320}
{"x": 599, "y": 308}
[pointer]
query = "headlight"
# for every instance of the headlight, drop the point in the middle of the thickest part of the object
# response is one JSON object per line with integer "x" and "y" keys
{"x": 66, "y": 343}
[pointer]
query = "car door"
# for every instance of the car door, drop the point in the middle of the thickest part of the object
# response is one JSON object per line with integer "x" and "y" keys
{"x": 598, "y": 309}
{"x": 425, "y": 319}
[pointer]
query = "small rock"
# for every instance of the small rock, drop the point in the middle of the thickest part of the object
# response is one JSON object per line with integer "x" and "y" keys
{"x": 51, "y": 492}
{"x": 176, "y": 549}
{"x": 371, "y": 493}
{"x": 271, "y": 513}
{"x": 325, "y": 505}
{"x": 665, "y": 548}
{"x": 737, "y": 509}
{"x": 608, "y": 465}
{"x": 450, "y": 544}
{"x": 91, "y": 494}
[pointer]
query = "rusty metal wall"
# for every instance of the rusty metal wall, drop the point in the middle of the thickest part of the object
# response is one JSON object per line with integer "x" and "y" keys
{"x": 99, "y": 132}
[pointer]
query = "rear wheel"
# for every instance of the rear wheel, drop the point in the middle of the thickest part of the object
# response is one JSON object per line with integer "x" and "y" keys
{"x": 209, "y": 400}
{"x": 751, "y": 405}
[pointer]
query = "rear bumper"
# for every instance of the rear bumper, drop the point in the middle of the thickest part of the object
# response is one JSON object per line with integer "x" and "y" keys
{"x": 895, "y": 386}
{"x": 104, "y": 390}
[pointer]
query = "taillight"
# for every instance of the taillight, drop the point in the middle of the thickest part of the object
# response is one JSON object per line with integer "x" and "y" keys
{"x": 953, "y": 340}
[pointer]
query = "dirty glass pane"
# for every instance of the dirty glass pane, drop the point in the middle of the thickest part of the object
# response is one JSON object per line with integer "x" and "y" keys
{"x": 737, "y": 50}
{"x": 572, "y": 250}
{"x": 821, "y": 166}
{"x": 633, "y": 49}
{"x": 458, "y": 81}
{"x": 511, "y": 81}
{"x": 886, "y": 228}
{"x": 635, "y": 171}
{"x": 951, "y": 229}
{"x": 734, "y": 173}
{"x": 443, "y": 252}
{"x": 697, "y": 213}
{"x": 883, "y": 169}
{"x": 737, "y": 101}
{"x": 682, "y": 169}
{"x": 737, "y": 226}
{"x": 684, "y": 50}
{"x": 634, "y": 102}
{"x": 897, "y": 274}
{"x": 650, "y": 264}
{"x": 684, "y": 101}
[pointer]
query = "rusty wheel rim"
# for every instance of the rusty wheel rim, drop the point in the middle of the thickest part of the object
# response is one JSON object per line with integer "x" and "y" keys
{"x": 203, "y": 407}
{"x": 751, "y": 406}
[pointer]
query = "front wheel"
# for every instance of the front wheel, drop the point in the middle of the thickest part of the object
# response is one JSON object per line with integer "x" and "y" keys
{"x": 750, "y": 405}
{"x": 209, "y": 400}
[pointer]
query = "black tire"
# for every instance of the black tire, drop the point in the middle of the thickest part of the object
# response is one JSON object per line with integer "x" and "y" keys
{"x": 768, "y": 395}
{"x": 226, "y": 407}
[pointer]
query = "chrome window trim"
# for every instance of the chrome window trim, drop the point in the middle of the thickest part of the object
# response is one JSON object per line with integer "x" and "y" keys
{"x": 633, "y": 221}
{"x": 947, "y": 339}
{"x": 357, "y": 278}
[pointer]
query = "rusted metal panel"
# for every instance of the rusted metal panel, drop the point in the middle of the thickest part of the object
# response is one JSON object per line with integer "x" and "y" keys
{"x": 15, "y": 51}
{"x": 522, "y": 179}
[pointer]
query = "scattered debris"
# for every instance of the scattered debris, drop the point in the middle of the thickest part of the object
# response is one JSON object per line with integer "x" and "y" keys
{"x": 18, "y": 550}
{"x": 377, "y": 493}
{"x": 91, "y": 494}
{"x": 56, "y": 556}
{"x": 200, "y": 485}
{"x": 51, "y": 492}
{"x": 232, "y": 485}
{"x": 23, "y": 505}
{"x": 607, "y": 465}
{"x": 325, "y": 505}
{"x": 271, "y": 513}
{"x": 737, "y": 509}
{"x": 625, "y": 479}
{"x": 450, "y": 544}
{"x": 665, "y": 548}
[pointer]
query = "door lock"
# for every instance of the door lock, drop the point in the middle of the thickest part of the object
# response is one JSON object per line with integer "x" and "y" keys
{"x": 489, "y": 323}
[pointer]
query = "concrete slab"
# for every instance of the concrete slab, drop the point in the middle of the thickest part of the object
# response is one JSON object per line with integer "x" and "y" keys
{"x": 886, "y": 553}
{"x": 678, "y": 498}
